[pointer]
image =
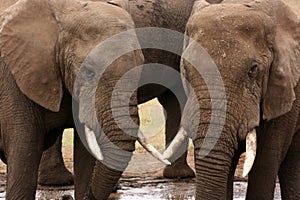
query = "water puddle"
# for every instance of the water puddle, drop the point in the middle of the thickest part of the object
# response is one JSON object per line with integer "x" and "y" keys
{"x": 149, "y": 188}
{"x": 166, "y": 189}
{"x": 47, "y": 194}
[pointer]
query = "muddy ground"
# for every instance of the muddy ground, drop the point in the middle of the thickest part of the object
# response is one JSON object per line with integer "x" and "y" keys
{"x": 143, "y": 176}
{"x": 142, "y": 180}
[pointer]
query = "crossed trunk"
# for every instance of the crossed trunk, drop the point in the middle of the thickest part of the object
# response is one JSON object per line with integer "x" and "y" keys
{"x": 109, "y": 113}
{"x": 112, "y": 140}
{"x": 116, "y": 151}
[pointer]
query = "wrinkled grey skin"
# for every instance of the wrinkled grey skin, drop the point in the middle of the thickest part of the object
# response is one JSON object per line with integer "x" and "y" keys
{"x": 256, "y": 48}
{"x": 52, "y": 170}
{"x": 166, "y": 14}
{"x": 171, "y": 15}
{"x": 52, "y": 161}
{"x": 41, "y": 53}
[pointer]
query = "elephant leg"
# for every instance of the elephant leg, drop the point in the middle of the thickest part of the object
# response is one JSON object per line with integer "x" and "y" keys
{"x": 52, "y": 170}
{"x": 179, "y": 168}
{"x": 262, "y": 177}
{"x": 83, "y": 167}
{"x": 273, "y": 142}
{"x": 289, "y": 172}
{"x": 23, "y": 145}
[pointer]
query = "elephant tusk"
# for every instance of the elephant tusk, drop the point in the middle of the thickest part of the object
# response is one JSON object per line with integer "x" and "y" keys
{"x": 176, "y": 143}
{"x": 250, "y": 152}
{"x": 153, "y": 151}
{"x": 92, "y": 143}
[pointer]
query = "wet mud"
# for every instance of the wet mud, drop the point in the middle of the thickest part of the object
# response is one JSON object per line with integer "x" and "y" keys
{"x": 141, "y": 188}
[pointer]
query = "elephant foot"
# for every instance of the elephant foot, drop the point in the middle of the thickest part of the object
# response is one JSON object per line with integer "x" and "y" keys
{"x": 55, "y": 175}
{"x": 178, "y": 170}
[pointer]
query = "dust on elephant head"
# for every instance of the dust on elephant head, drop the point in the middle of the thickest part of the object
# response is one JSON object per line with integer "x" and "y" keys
{"x": 46, "y": 45}
{"x": 255, "y": 46}
{"x": 55, "y": 40}
{"x": 260, "y": 38}
{"x": 44, "y": 50}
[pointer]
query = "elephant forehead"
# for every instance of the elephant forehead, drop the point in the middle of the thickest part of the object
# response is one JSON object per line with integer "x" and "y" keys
{"x": 230, "y": 18}
{"x": 93, "y": 18}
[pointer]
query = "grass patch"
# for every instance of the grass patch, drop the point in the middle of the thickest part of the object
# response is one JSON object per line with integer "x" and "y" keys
{"x": 67, "y": 137}
{"x": 152, "y": 123}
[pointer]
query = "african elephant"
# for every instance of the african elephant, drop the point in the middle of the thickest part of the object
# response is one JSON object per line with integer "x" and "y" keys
{"x": 52, "y": 161}
{"x": 165, "y": 14}
{"x": 172, "y": 15}
{"x": 49, "y": 69}
{"x": 250, "y": 86}
{"x": 141, "y": 12}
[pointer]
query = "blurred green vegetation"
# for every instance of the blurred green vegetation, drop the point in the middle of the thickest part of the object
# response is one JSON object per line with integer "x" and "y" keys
{"x": 152, "y": 124}
{"x": 67, "y": 137}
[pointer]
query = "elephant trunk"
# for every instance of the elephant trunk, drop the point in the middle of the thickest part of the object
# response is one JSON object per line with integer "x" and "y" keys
{"x": 119, "y": 126}
{"x": 212, "y": 174}
{"x": 206, "y": 120}
{"x": 104, "y": 179}
{"x": 213, "y": 160}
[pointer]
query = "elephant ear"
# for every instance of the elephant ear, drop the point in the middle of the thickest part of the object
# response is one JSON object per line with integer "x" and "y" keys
{"x": 121, "y": 3}
{"x": 285, "y": 70}
{"x": 28, "y": 35}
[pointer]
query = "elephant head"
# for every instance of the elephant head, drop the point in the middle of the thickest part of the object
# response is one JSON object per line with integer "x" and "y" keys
{"x": 255, "y": 47}
{"x": 59, "y": 48}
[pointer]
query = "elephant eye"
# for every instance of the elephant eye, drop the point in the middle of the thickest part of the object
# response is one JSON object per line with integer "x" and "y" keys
{"x": 89, "y": 74}
{"x": 253, "y": 71}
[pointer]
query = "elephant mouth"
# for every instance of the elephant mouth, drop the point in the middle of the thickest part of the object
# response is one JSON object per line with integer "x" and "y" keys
{"x": 95, "y": 148}
{"x": 251, "y": 146}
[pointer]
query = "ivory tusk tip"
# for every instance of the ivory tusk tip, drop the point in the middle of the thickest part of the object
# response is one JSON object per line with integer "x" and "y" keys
{"x": 152, "y": 150}
{"x": 248, "y": 164}
{"x": 246, "y": 171}
{"x": 98, "y": 154}
{"x": 176, "y": 143}
{"x": 250, "y": 152}
{"x": 167, "y": 162}
{"x": 92, "y": 144}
